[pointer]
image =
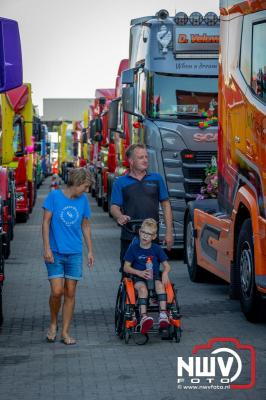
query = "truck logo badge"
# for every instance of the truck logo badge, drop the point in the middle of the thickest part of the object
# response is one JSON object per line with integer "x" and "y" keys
{"x": 205, "y": 137}
{"x": 164, "y": 37}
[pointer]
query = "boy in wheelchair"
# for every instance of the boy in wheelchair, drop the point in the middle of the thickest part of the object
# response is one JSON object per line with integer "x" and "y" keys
{"x": 140, "y": 252}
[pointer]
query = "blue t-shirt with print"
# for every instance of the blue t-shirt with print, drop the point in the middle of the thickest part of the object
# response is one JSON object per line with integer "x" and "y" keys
{"x": 65, "y": 233}
{"x": 138, "y": 256}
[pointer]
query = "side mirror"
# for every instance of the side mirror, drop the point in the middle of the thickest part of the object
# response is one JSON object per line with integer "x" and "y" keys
{"x": 128, "y": 77}
{"x": 113, "y": 115}
{"x": 10, "y": 55}
{"x": 84, "y": 136}
{"x": 92, "y": 129}
{"x": 98, "y": 125}
{"x": 37, "y": 147}
{"x": 128, "y": 99}
{"x": 98, "y": 137}
{"x": 75, "y": 149}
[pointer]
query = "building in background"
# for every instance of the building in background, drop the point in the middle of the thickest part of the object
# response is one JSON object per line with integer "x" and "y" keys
{"x": 57, "y": 110}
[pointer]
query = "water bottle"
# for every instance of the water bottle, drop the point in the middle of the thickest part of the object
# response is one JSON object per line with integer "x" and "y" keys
{"x": 149, "y": 267}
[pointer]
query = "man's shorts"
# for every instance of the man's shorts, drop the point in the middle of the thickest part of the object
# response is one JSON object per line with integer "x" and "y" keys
{"x": 67, "y": 266}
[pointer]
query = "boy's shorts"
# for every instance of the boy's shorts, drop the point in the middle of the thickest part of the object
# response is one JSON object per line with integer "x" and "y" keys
{"x": 139, "y": 279}
{"x": 67, "y": 266}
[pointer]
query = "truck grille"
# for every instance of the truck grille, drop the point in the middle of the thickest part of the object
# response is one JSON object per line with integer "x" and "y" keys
{"x": 199, "y": 157}
{"x": 194, "y": 170}
{"x": 194, "y": 173}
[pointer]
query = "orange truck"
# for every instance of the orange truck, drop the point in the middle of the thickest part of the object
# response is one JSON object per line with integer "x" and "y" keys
{"x": 227, "y": 236}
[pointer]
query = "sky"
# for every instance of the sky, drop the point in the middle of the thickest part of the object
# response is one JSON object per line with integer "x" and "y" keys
{"x": 72, "y": 47}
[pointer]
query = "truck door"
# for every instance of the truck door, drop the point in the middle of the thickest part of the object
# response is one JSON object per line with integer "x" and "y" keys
{"x": 256, "y": 107}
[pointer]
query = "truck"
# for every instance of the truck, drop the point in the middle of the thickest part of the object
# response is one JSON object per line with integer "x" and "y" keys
{"x": 18, "y": 146}
{"x": 170, "y": 96}
{"x": 226, "y": 236}
{"x": 119, "y": 138}
{"x": 10, "y": 78}
{"x": 66, "y": 158}
{"x": 98, "y": 135}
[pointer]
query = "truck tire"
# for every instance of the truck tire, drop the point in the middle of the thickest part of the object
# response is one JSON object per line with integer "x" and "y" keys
{"x": 6, "y": 248}
{"x": 196, "y": 273}
{"x": 99, "y": 189}
{"x": 2, "y": 263}
{"x": 1, "y": 307}
{"x": 250, "y": 299}
{"x": 234, "y": 286}
{"x": 23, "y": 217}
{"x": 93, "y": 192}
{"x": 110, "y": 181}
{"x": 105, "y": 204}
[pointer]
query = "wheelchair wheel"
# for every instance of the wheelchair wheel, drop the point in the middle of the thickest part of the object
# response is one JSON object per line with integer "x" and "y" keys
{"x": 120, "y": 312}
{"x": 127, "y": 336}
{"x": 177, "y": 334}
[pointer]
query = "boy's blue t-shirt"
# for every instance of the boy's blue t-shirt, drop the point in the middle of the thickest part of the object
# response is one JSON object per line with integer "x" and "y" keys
{"x": 65, "y": 229}
{"x": 138, "y": 256}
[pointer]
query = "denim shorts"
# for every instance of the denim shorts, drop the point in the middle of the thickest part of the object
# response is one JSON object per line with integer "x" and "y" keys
{"x": 65, "y": 266}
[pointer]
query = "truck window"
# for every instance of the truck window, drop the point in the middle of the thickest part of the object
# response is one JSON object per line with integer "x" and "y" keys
{"x": 245, "y": 58}
{"x": 141, "y": 93}
{"x": 258, "y": 79}
{"x": 184, "y": 98}
{"x": 18, "y": 139}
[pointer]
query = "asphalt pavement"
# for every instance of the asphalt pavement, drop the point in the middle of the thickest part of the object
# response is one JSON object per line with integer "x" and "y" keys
{"x": 101, "y": 366}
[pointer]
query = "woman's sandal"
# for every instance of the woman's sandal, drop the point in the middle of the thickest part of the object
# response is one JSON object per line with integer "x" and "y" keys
{"x": 51, "y": 336}
{"x": 68, "y": 341}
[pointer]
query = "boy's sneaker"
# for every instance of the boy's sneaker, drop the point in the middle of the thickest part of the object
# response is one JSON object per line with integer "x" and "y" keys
{"x": 163, "y": 320}
{"x": 146, "y": 324}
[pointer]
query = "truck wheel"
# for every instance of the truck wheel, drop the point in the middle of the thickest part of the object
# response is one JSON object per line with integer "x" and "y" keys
{"x": 250, "y": 298}
{"x": 6, "y": 248}
{"x": 1, "y": 307}
{"x": 105, "y": 205}
{"x": 99, "y": 190}
{"x": 194, "y": 270}
{"x": 2, "y": 264}
{"x": 23, "y": 217}
{"x": 99, "y": 201}
{"x": 109, "y": 193}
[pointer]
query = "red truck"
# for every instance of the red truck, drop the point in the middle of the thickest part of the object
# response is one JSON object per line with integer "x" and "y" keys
{"x": 98, "y": 134}
{"x": 119, "y": 137}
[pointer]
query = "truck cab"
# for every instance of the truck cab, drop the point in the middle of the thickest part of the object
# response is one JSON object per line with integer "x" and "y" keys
{"x": 226, "y": 236}
{"x": 170, "y": 95}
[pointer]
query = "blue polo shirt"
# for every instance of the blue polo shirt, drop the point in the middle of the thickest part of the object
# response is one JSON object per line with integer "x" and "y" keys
{"x": 139, "y": 199}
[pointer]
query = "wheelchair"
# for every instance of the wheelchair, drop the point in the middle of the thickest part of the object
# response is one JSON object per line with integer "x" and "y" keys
{"x": 127, "y": 315}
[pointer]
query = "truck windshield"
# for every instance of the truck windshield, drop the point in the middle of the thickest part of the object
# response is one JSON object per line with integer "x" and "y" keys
{"x": 186, "y": 98}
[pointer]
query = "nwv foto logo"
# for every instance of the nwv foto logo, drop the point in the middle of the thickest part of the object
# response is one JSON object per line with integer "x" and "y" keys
{"x": 221, "y": 366}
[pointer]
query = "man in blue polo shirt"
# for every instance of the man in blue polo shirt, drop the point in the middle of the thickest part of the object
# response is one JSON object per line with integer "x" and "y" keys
{"x": 137, "y": 195}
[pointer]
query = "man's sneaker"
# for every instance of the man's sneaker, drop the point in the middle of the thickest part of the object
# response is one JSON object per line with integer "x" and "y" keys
{"x": 163, "y": 320}
{"x": 146, "y": 324}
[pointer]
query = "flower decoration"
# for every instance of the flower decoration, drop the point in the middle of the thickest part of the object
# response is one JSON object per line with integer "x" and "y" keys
{"x": 210, "y": 188}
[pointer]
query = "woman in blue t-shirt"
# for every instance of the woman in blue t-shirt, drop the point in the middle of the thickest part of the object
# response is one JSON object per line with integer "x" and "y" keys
{"x": 65, "y": 221}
